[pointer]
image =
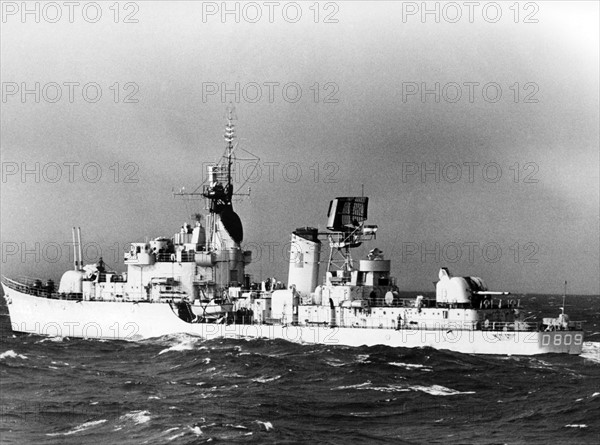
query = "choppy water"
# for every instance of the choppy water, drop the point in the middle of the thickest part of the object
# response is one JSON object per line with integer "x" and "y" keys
{"x": 183, "y": 390}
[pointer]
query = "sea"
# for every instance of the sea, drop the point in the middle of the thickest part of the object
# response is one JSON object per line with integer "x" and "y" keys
{"x": 181, "y": 389}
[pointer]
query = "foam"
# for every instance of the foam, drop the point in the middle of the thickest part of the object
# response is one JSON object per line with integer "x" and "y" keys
{"x": 196, "y": 430}
{"x": 268, "y": 425}
{"x": 358, "y": 385}
{"x": 591, "y": 351}
{"x": 79, "y": 428}
{"x": 438, "y": 390}
{"x": 184, "y": 345}
{"x": 410, "y": 366}
{"x": 138, "y": 417}
{"x": 53, "y": 339}
{"x": 176, "y": 436}
{"x": 265, "y": 379}
{"x": 12, "y": 354}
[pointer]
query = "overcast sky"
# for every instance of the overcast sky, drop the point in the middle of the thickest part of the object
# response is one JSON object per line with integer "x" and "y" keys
{"x": 474, "y": 132}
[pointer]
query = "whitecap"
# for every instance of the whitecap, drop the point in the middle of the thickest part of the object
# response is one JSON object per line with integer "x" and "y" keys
{"x": 389, "y": 388}
{"x": 138, "y": 417}
{"x": 582, "y": 425}
{"x": 591, "y": 351}
{"x": 368, "y": 386}
{"x": 196, "y": 430}
{"x": 176, "y": 436}
{"x": 53, "y": 339}
{"x": 268, "y": 425}
{"x": 265, "y": 379}
{"x": 410, "y": 366}
{"x": 12, "y": 354}
{"x": 187, "y": 345}
{"x": 79, "y": 428}
{"x": 438, "y": 390}
{"x": 358, "y": 385}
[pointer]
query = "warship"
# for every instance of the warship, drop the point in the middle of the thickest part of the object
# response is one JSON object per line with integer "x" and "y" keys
{"x": 195, "y": 283}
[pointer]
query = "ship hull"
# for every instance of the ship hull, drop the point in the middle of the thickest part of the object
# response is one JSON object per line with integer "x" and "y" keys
{"x": 142, "y": 320}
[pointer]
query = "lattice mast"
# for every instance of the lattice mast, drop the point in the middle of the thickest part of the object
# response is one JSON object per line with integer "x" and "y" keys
{"x": 218, "y": 191}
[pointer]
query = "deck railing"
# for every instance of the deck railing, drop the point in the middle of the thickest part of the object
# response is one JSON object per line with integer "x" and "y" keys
{"x": 31, "y": 286}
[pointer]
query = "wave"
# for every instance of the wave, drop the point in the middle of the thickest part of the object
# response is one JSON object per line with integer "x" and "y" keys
{"x": 137, "y": 417}
{"x": 79, "y": 428}
{"x": 268, "y": 425}
{"x": 265, "y": 379}
{"x": 53, "y": 339}
{"x": 434, "y": 390}
{"x": 438, "y": 390}
{"x": 180, "y": 342}
{"x": 411, "y": 366}
{"x": 176, "y": 436}
{"x": 591, "y": 351}
{"x": 362, "y": 358}
{"x": 357, "y": 386}
{"x": 12, "y": 354}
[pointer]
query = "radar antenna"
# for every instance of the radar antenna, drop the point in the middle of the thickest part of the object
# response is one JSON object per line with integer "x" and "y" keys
{"x": 345, "y": 220}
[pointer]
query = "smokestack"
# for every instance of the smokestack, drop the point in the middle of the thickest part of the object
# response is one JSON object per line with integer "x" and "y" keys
{"x": 304, "y": 260}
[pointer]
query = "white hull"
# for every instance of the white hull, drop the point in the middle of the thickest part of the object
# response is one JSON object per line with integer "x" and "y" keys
{"x": 141, "y": 320}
